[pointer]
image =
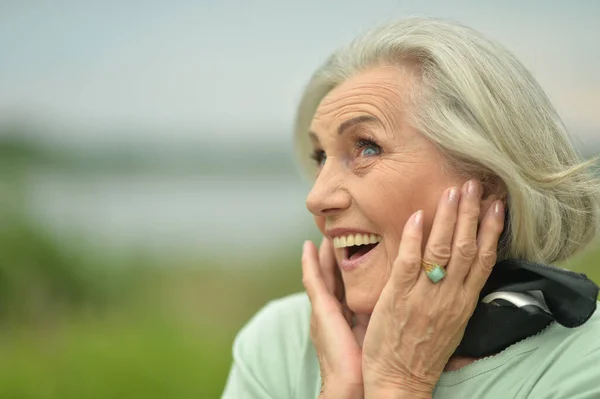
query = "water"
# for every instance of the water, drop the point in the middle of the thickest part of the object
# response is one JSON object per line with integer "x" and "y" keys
{"x": 210, "y": 215}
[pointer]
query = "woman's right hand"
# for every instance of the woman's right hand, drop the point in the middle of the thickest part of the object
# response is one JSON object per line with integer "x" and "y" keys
{"x": 331, "y": 330}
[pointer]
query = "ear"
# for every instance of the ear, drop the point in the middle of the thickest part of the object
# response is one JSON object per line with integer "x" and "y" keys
{"x": 493, "y": 189}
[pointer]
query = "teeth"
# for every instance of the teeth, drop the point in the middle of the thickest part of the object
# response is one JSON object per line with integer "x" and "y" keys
{"x": 355, "y": 239}
{"x": 350, "y": 241}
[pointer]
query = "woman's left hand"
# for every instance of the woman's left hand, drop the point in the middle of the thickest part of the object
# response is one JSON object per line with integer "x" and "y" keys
{"x": 417, "y": 325}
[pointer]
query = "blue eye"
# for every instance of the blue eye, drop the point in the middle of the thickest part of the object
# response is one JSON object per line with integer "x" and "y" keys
{"x": 368, "y": 148}
{"x": 370, "y": 151}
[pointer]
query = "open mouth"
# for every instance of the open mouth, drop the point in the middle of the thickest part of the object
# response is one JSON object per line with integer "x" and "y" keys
{"x": 355, "y": 252}
{"x": 356, "y": 245}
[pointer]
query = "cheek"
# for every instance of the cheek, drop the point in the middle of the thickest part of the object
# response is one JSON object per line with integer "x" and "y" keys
{"x": 389, "y": 199}
{"x": 390, "y": 204}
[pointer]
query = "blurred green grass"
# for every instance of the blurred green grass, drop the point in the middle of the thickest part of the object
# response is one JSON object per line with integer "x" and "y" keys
{"x": 110, "y": 358}
{"x": 172, "y": 338}
{"x": 75, "y": 323}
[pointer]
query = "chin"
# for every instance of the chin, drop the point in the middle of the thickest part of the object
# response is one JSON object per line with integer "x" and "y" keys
{"x": 362, "y": 300}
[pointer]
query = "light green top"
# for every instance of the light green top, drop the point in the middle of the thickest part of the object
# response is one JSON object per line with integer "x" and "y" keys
{"x": 273, "y": 357}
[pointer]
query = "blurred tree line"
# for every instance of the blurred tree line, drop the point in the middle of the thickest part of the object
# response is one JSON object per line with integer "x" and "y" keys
{"x": 36, "y": 271}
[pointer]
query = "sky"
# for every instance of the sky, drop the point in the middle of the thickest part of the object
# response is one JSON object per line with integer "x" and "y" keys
{"x": 230, "y": 71}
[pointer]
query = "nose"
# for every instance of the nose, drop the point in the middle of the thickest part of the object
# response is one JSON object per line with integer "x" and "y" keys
{"x": 328, "y": 196}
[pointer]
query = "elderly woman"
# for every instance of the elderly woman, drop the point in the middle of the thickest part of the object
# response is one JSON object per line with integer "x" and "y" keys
{"x": 444, "y": 186}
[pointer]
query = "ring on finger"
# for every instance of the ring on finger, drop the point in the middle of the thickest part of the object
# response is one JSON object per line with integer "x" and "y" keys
{"x": 434, "y": 271}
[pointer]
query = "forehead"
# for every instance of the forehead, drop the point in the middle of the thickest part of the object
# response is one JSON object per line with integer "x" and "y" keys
{"x": 377, "y": 92}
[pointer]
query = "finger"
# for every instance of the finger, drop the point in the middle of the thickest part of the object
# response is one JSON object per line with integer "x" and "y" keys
{"x": 439, "y": 243}
{"x": 408, "y": 263}
{"x": 464, "y": 245}
{"x": 490, "y": 231}
{"x": 311, "y": 273}
{"x": 328, "y": 264}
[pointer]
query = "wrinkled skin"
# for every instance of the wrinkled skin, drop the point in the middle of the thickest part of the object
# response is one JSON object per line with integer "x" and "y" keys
{"x": 383, "y": 326}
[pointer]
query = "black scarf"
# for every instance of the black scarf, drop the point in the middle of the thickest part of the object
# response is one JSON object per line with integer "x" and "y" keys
{"x": 521, "y": 299}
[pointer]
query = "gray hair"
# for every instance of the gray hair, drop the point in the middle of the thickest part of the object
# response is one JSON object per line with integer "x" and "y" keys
{"x": 490, "y": 118}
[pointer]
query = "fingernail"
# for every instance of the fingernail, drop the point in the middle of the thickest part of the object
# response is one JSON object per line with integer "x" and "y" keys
{"x": 304, "y": 246}
{"x": 418, "y": 217}
{"x": 498, "y": 208}
{"x": 453, "y": 195}
{"x": 471, "y": 187}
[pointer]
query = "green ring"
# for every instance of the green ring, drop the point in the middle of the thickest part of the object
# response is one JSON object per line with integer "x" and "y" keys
{"x": 436, "y": 274}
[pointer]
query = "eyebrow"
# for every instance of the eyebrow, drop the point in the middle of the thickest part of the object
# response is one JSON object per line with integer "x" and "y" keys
{"x": 348, "y": 124}
{"x": 355, "y": 121}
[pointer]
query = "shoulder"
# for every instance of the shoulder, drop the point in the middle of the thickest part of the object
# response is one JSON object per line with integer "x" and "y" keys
{"x": 571, "y": 341}
{"x": 272, "y": 349}
{"x": 569, "y": 359}
{"x": 284, "y": 319}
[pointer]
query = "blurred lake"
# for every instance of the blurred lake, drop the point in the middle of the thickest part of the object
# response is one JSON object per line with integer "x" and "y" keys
{"x": 210, "y": 214}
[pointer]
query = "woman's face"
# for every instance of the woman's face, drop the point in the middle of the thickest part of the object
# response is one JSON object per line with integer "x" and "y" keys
{"x": 375, "y": 171}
